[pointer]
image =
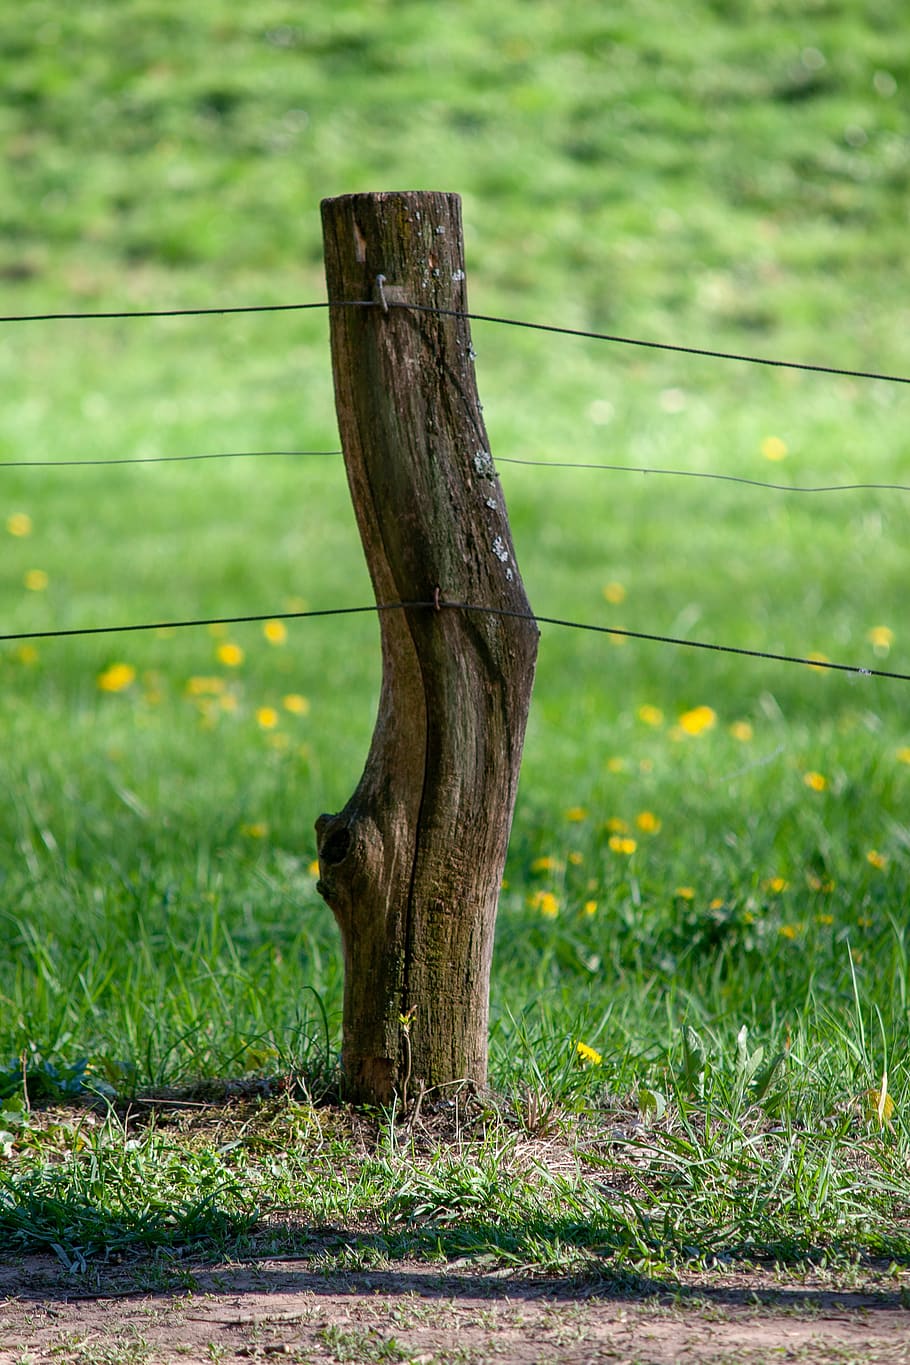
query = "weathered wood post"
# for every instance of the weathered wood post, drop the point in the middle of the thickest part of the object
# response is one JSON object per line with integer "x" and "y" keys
{"x": 412, "y": 866}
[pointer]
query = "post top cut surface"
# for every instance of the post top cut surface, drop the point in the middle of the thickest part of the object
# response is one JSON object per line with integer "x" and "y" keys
{"x": 392, "y": 194}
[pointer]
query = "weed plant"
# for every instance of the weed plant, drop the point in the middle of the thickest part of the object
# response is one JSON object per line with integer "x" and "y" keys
{"x": 707, "y": 880}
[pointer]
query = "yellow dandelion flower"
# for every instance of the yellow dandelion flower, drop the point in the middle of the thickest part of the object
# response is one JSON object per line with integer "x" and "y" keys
{"x": 267, "y": 717}
{"x": 230, "y": 655}
{"x": 699, "y": 719}
{"x": 296, "y": 704}
{"x": 227, "y": 701}
{"x": 742, "y": 731}
{"x": 816, "y": 782}
{"x": 621, "y": 843}
{"x": 650, "y": 715}
{"x": 878, "y": 1107}
{"x": 545, "y": 864}
{"x": 614, "y": 593}
{"x": 36, "y": 580}
{"x": 589, "y": 908}
{"x": 258, "y": 830}
{"x": 647, "y": 822}
{"x": 19, "y": 524}
{"x": 589, "y": 1056}
{"x": 116, "y": 678}
{"x": 576, "y": 814}
{"x": 204, "y": 687}
{"x": 864, "y": 922}
{"x": 773, "y": 448}
{"x": 617, "y": 765}
{"x": 881, "y": 639}
{"x": 788, "y": 931}
{"x": 545, "y": 902}
{"x": 616, "y": 826}
{"x": 27, "y": 654}
{"x": 823, "y": 885}
{"x": 817, "y": 660}
{"x": 876, "y": 859}
{"x": 903, "y": 754}
{"x": 824, "y": 919}
{"x": 313, "y": 868}
{"x": 716, "y": 904}
{"x": 276, "y": 632}
{"x": 685, "y": 893}
{"x": 777, "y": 885}
{"x": 575, "y": 858}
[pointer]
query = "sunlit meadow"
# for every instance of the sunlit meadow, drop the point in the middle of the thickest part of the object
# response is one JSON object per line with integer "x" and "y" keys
{"x": 709, "y": 856}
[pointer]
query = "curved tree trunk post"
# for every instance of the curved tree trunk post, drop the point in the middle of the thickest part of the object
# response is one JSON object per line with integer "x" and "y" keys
{"x": 412, "y": 867}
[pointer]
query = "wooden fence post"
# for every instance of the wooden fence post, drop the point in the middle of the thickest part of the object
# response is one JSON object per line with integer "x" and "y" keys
{"x": 412, "y": 867}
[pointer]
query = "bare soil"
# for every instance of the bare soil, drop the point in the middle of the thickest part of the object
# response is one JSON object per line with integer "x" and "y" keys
{"x": 149, "y": 1312}
{"x": 282, "y": 1309}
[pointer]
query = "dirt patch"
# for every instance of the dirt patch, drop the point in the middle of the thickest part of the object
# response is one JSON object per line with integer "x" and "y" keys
{"x": 433, "y": 1315}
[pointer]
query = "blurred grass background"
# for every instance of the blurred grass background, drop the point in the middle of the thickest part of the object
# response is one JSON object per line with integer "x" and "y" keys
{"x": 735, "y": 177}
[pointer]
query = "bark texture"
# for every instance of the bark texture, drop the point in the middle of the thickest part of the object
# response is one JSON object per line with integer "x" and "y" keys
{"x": 412, "y": 866}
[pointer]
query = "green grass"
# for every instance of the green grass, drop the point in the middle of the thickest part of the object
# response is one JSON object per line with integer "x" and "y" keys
{"x": 738, "y": 181}
{"x": 604, "y": 1198}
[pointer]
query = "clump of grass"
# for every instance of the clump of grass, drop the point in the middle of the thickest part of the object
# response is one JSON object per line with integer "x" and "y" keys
{"x": 615, "y": 1193}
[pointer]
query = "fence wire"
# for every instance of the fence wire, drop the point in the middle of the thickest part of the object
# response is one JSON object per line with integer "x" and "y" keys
{"x": 439, "y": 604}
{"x": 646, "y": 470}
{"x": 163, "y": 312}
{"x": 158, "y": 459}
{"x": 475, "y": 607}
{"x": 206, "y": 621}
{"x": 385, "y": 305}
{"x": 661, "y": 345}
{"x": 708, "y": 474}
